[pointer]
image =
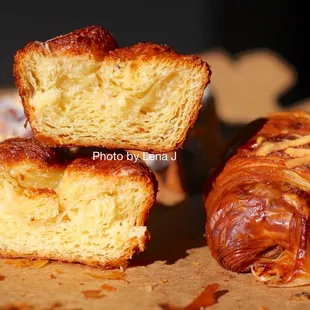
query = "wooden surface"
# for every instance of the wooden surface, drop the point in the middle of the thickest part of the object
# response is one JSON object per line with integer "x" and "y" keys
{"x": 175, "y": 269}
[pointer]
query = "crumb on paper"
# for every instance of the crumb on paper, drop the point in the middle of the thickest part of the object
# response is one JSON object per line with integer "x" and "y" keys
{"x": 93, "y": 294}
{"x": 55, "y": 305}
{"x": 2, "y": 278}
{"x": 164, "y": 281}
{"x": 59, "y": 283}
{"x": 59, "y": 271}
{"x": 205, "y": 299}
{"x": 27, "y": 263}
{"x": 26, "y": 306}
{"x": 109, "y": 275}
{"x": 107, "y": 287}
{"x": 81, "y": 283}
{"x": 52, "y": 276}
{"x": 300, "y": 296}
{"x": 149, "y": 287}
{"x": 196, "y": 264}
{"x": 18, "y": 306}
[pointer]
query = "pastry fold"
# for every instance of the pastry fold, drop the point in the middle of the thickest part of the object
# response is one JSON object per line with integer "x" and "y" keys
{"x": 56, "y": 205}
{"x": 258, "y": 208}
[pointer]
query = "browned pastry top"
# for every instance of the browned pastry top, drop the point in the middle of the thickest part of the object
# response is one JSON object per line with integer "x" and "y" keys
{"x": 98, "y": 42}
{"x": 16, "y": 150}
{"x": 148, "y": 50}
{"x": 93, "y": 40}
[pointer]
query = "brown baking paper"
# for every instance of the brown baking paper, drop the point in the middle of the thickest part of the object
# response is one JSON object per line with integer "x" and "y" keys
{"x": 174, "y": 269}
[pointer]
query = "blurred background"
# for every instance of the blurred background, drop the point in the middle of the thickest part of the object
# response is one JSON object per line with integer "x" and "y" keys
{"x": 258, "y": 52}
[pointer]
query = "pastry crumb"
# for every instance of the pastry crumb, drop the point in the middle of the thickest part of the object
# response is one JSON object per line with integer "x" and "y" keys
{"x": 301, "y": 296}
{"x": 107, "y": 287}
{"x": 93, "y": 294}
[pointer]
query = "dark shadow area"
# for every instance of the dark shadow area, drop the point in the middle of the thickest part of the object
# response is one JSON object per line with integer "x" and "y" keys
{"x": 240, "y": 139}
{"x": 210, "y": 143}
{"x": 202, "y": 147}
{"x": 163, "y": 22}
{"x": 174, "y": 230}
{"x": 220, "y": 293}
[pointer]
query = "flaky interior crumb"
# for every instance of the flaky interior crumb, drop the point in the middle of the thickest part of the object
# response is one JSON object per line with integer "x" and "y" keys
{"x": 72, "y": 215}
{"x": 125, "y": 101}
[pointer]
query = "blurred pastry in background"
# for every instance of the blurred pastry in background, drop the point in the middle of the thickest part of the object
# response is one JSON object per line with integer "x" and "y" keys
{"x": 241, "y": 96}
{"x": 248, "y": 85}
{"x": 12, "y": 118}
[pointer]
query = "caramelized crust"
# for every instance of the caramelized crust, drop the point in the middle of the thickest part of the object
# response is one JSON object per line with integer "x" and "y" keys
{"x": 144, "y": 51}
{"x": 122, "y": 167}
{"x": 93, "y": 40}
{"x": 258, "y": 209}
{"x": 16, "y": 150}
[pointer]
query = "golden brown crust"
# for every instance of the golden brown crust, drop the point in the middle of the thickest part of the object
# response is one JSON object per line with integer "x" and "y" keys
{"x": 147, "y": 50}
{"x": 120, "y": 167}
{"x": 142, "y": 51}
{"x": 97, "y": 42}
{"x": 259, "y": 202}
{"x": 93, "y": 41}
{"x": 15, "y": 151}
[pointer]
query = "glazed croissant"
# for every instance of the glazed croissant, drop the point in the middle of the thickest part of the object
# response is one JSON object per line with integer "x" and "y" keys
{"x": 258, "y": 208}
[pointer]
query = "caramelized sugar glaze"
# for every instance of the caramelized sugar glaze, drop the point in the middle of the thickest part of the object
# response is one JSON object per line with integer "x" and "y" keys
{"x": 258, "y": 207}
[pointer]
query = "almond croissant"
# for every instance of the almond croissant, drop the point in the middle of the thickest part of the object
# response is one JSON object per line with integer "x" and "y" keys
{"x": 258, "y": 208}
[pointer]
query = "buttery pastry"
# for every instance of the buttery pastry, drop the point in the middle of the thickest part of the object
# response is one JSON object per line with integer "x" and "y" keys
{"x": 79, "y": 89}
{"x": 258, "y": 209}
{"x": 72, "y": 208}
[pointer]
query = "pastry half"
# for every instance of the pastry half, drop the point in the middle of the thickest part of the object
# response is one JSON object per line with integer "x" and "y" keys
{"x": 53, "y": 206}
{"x": 79, "y": 89}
